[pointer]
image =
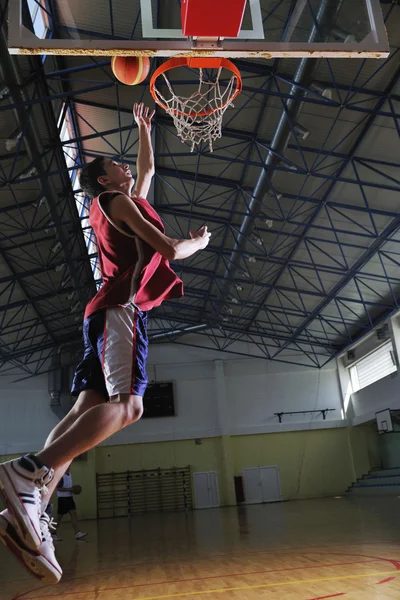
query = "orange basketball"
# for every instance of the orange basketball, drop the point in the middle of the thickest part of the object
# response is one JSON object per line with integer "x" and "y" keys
{"x": 130, "y": 70}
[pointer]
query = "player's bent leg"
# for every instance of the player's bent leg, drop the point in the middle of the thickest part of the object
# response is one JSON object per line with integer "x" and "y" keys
{"x": 26, "y": 484}
{"x": 87, "y": 399}
{"x": 94, "y": 426}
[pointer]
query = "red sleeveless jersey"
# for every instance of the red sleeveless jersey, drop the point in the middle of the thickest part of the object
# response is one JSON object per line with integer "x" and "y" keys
{"x": 131, "y": 270}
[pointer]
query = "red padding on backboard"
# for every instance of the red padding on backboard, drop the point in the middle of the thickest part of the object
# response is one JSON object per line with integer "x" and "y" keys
{"x": 212, "y": 18}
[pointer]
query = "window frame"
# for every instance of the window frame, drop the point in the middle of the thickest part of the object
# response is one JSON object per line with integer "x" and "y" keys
{"x": 66, "y": 132}
{"x": 354, "y": 374}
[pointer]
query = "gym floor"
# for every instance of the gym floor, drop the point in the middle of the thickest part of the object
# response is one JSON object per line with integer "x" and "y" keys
{"x": 304, "y": 550}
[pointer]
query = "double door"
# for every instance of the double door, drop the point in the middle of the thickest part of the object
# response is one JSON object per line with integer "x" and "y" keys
{"x": 262, "y": 484}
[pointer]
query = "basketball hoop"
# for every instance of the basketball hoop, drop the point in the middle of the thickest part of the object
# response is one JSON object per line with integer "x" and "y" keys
{"x": 197, "y": 118}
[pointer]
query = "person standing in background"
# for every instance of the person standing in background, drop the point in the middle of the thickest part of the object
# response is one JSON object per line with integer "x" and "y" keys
{"x": 66, "y": 505}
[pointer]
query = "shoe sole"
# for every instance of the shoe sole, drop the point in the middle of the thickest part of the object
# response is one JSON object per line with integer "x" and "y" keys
{"x": 31, "y": 537}
{"x": 34, "y": 562}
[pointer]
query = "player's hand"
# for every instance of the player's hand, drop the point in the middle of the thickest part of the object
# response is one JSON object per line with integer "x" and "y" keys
{"x": 202, "y": 235}
{"x": 143, "y": 115}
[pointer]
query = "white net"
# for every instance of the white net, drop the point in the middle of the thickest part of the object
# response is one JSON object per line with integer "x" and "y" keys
{"x": 198, "y": 118}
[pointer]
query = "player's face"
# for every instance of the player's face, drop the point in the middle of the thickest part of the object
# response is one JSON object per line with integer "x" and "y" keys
{"x": 117, "y": 173}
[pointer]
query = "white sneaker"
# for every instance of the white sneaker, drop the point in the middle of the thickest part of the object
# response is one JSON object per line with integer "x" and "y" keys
{"x": 42, "y": 563}
{"x": 21, "y": 483}
{"x": 81, "y": 534}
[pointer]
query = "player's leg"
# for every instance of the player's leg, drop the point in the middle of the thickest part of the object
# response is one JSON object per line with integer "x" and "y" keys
{"x": 87, "y": 399}
{"x": 120, "y": 336}
{"x": 93, "y": 427}
{"x": 124, "y": 359}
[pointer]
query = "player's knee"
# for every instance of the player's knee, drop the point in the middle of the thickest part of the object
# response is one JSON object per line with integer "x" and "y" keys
{"x": 133, "y": 409}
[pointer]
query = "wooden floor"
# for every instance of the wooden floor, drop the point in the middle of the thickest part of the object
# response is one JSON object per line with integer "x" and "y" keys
{"x": 303, "y": 550}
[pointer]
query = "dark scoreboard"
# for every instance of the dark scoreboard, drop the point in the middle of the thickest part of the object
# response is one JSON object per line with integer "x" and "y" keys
{"x": 158, "y": 400}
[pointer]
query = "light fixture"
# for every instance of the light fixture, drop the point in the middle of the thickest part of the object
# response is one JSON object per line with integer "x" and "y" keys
{"x": 257, "y": 240}
{"x": 59, "y": 268}
{"x": 4, "y": 91}
{"x": 251, "y": 259}
{"x": 50, "y": 225}
{"x": 233, "y": 300}
{"x": 71, "y": 295}
{"x": 238, "y": 287}
{"x": 269, "y": 223}
{"x": 43, "y": 201}
{"x": 326, "y": 92}
{"x": 276, "y": 195}
{"x": 30, "y": 173}
{"x": 12, "y": 141}
{"x": 245, "y": 274}
{"x": 56, "y": 247}
{"x": 301, "y": 131}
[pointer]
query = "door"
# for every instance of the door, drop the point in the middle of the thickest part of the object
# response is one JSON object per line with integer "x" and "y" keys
{"x": 252, "y": 485}
{"x": 262, "y": 484}
{"x": 270, "y": 484}
{"x": 206, "y": 493}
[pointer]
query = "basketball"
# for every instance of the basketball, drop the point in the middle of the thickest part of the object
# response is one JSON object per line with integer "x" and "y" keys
{"x": 130, "y": 70}
{"x": 76, "y": 489}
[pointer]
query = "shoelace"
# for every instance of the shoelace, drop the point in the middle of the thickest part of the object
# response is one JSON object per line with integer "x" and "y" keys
{"x": 45, "y": 525}
{"x": 38, "y": 499}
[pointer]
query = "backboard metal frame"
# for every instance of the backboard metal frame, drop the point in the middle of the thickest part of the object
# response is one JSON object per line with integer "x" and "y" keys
{"x": 375, "y": 45}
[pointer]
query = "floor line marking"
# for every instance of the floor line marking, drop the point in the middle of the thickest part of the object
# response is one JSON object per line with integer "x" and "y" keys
{"x": 386, "y": 580}
{"x": 331, "y": 596}
{"x": 263, "y": 585}
{"x": 197, "y": 579}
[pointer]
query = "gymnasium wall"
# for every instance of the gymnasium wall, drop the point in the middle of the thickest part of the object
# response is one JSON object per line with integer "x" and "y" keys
{"x": 254, "y": 388}
{"x": 227, "y": 406}
{"x": 312, "y": 464}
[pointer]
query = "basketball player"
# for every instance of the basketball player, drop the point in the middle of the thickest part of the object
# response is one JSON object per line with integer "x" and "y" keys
{"x": 110, "y": 381}
{"x": 66, "y": 506}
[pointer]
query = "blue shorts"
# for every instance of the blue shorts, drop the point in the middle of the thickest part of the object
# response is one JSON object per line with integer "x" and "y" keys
{"x": 115, "y": 353}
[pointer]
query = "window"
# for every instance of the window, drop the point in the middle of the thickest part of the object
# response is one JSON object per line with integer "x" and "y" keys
{"x": 374, "y": 366}
{"x": 38, "y": 11}
{"x": 70, "y": 149}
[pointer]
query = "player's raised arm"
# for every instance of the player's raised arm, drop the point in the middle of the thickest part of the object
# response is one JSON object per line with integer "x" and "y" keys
{"x": 145, "y": 160}
{"x": 123, "y": 210}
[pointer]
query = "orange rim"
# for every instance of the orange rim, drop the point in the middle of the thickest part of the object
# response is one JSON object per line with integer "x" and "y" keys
{"x": 206, "y": 63}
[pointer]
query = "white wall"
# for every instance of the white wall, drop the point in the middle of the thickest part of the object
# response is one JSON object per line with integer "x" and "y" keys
{"x": 258, "y": 389}
{"x": 25, "y": 415}
{"x": 255, "y": 389}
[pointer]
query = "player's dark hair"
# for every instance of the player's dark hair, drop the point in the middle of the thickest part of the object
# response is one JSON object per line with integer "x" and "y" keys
{"x": 88, "y": 177}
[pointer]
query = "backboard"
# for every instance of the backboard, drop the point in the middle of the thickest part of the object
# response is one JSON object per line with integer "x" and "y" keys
{"x": 388, "y": 421}
{"x": 384, "y": 421}
{"x": 269, "y": 29}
